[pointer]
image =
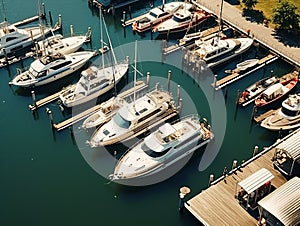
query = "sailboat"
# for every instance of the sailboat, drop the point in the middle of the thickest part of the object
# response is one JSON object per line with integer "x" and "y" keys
{"x": 14, "y": 39}
{"x": 95, "y": 81}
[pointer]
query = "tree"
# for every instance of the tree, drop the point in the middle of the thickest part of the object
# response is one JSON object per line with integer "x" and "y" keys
{"x": 285, "y": 16}
{"x": 250, "y": 4}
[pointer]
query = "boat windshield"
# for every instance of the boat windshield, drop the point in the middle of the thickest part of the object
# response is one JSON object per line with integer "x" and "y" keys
{"x": 120, "y": 121}
{"x": 33, "y": 72}
{"x": 289, "y": 112}
{"x": 84, "y": 83}
{"x": 152, "y": 153}
{"x": 181, "y": 18}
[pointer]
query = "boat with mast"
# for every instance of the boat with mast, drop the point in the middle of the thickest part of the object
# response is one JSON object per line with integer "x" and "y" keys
{"x": 137, "y": 117}
{"x": 95, "y": 81}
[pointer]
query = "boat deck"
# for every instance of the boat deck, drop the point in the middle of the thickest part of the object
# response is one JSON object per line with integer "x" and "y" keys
{"x": 140, "y": 85}
{"x": 217, "y": 204}
{"x": 263, "y": 116}
{"x": 235, "y": 75}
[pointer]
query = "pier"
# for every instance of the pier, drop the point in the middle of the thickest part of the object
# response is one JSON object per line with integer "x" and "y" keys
{"x": 236, "y": 75}
{"x": 140, "y": 85}
{"x": 264, "y": 35}
{"x": 217, "y": 205}
{"x": 265, "y": 115}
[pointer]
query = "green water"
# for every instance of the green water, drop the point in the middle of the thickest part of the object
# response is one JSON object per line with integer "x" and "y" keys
{"x": 44, "y": 178}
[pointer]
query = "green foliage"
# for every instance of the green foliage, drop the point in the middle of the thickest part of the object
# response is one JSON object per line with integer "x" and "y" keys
{"x": 285, "y": 16}
{"x": 250, "y": 4}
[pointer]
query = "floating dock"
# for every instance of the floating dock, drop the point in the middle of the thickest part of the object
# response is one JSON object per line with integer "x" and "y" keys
{"x": 235, "y": 75}
{"x": 217, "y": 204}
{"x": 140, "y": 85}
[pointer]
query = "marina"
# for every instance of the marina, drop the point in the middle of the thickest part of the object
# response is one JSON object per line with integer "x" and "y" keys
{"x": 233, "y": 171}
{"x": 221, "y": 195}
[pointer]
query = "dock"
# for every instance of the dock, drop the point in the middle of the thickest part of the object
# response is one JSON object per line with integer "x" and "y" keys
{"x": 217, "y": 204}
{"x": 140, "y": 85}
{"x": 48, "y": 99}
{"x": 236, "y": 75}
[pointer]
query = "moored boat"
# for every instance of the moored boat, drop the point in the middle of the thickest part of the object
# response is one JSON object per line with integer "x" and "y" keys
{"x": 167, "y": 145}
{"x": 57, "y": 43}
{"x": 278, "y": 90}
{"x": 285, "y": 118}
{"x": 107, "y": 110}
{"x": 135, "y": 118}
{"x": 249, "y": 94}
{"x": 182, "y": 20}
{"x": 216, "y": 51}
{"x": 246, "y": 64}
{"x": 50, "y": 68}
{"x": 155, "y": 16}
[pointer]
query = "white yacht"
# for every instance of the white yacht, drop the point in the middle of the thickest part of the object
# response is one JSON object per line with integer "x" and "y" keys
{"x": 13, "y": 39}
{"x": 49, "y": 68}
{"x": 93, "y": 83}
{"x": 107, "y": 110}
{"x": 162, "y": 148}
{"x": 135, "y": 118}
{"x": 155, "y": 16}
{"x": 287, "y": 117}
{"x": 57, "y": 43}
{"x": 216, "y": 51}
{"x": 182, "y": 20}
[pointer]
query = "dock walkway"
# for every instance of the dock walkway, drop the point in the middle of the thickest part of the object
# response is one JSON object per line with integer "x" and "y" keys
{"x": 217, "y": 204}
{"x": 235, "y": 75}
{"x": 264, "y": 35}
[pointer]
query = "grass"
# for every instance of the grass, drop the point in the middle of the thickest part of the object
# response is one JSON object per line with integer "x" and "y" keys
{"x": 267, "y": 6}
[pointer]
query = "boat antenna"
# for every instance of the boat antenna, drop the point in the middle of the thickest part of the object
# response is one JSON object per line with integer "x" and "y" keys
{"x": 101, "y": 35}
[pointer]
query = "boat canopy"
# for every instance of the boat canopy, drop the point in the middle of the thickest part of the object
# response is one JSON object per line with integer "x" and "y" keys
{"x": 152, "y": 143}
{"x": 292, "y": 146}
{"x": 256, "y": 180}
{"x": 167, "y": 129}
{"x": 284, "y": 202}
{"x": 274, "y": 90}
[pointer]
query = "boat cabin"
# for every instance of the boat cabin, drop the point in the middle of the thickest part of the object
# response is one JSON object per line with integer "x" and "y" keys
{"x": 273, "y": 92}
{"x": 287, "y": 156}
{"x": 157, "y": 13}
{"x": 282, "y": 206}
{"x": 291, "y": 106}
{"x": 254, "y": 188}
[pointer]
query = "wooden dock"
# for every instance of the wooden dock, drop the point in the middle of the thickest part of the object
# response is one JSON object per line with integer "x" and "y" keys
{"x": 48, "y": 99}
{"x": 236, "y": 75}
{"x": 140, "y": 85}
{"x": 217, "y": 204}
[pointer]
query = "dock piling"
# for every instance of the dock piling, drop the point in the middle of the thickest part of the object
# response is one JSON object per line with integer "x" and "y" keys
{"x": 215, "y": 82}
{"x": 234, "y": 164}
{"x": 33, "y": 99}
{"x": 71, "y": 30}
{"x": 43, "y": 11}
{"x": 148, "y": 78}
{"x": 254, "y": 110}
{"x": 183, "y": 191}
{"x": 50, "y": 18}
{"x": 211, "y": 179}
{"x": 169, "y": 79}
{"x": 255, "y": 151}
{"x": 49, "y": 112}
{"x": 180, "y": 105}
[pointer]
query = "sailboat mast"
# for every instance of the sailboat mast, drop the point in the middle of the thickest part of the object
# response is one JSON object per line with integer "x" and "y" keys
{"x": 101, "y": 36}
{"x": 134, "y": 82}
{"x": 220, "y": 19}
{"x": 109, "y": 42}
{"x": 4, "y": 12}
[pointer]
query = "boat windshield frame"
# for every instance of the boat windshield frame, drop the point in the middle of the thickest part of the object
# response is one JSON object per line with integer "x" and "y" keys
{"x": 288, "y": 112}
{"x": 152, "y": 153}
{"x": 120, "y": 121}
{"x": 178, "y": 18}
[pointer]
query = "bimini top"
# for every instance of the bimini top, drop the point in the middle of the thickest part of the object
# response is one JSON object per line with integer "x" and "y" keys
{"x": 292, "y": 146}
{"x": 256, "y": 180}
{"x": 284, "y": 202}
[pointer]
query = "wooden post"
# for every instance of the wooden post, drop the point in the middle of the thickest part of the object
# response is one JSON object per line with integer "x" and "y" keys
{"x": 178, "y": 94}
{"x": 180, "y": 105}
{"x": 148, "y": 78}
{"x": 255, "y": 151}
{"x": 234, "y": 164}
{"x": 43, "y": 11}
{"x": 211, "y": 179}
{"x": 129, "y": 10}
{"x": 50, "y": 18}
{"x": 123, "y": 23}
{"x": 50, "y": 117}
{"x": 215, "y": 82}
{"x": 71, "y": 30}
{"x": 169, "y": 80}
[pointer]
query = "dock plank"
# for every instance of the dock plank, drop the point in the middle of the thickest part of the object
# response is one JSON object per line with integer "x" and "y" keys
{"x": 217, "y": 204}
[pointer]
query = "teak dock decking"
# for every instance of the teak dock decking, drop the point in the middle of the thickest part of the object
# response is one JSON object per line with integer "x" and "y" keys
{"x": 217, "y": 204}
